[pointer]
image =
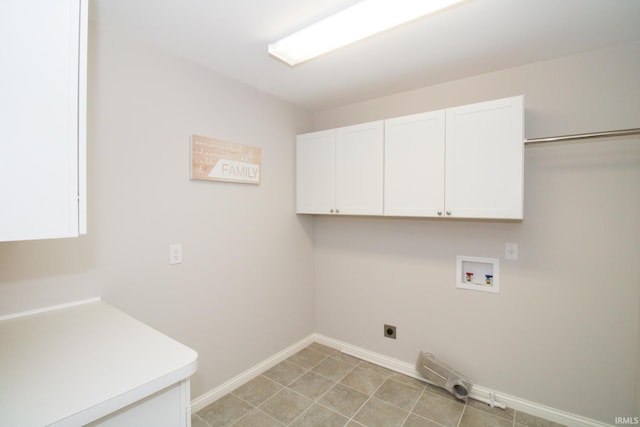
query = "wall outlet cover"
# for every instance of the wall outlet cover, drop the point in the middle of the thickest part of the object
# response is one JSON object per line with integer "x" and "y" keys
{"x": 511, "y": 251}
{"x": 390, "y": 331}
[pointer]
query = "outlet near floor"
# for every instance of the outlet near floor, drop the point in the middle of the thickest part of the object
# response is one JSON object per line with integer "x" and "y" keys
{"x": 390, "y": 331}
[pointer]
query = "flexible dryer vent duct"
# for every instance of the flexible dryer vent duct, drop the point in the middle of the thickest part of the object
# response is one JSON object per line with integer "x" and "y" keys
{"x": 441, "y": 375}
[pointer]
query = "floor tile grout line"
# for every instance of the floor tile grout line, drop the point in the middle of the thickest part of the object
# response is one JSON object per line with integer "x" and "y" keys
{"x": 309, "y": 370}
{"x": 396, "y": 406}
{"x": 254, "y": 409}
{"x": 201, "y": 419}
{"x": 351, "y": 368}
{"x": 368, "y": 399}
{"x": 303, "y": 396}
{"x": 464, "y": 408}
{"x": 363, "y": 364}
{"x": 369, "y": 367}
{"x": 335, "y": 383}
{"x": 414, "y": 406}
{"x": 317, "y": 400}
{"x": 387, "y": 377}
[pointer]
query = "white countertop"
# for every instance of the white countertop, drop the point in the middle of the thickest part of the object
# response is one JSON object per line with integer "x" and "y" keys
{"x": 70, "y": 366}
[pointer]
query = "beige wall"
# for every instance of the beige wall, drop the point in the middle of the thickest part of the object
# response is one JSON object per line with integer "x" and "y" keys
{"x": 563, "y": 332}
{"x": 248, "y": 260}
{"x": 638, "y": 376}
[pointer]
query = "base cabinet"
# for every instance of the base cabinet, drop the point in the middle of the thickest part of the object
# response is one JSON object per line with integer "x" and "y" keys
{"x": 87, "y": 363}
{"x": 166, "y": 408}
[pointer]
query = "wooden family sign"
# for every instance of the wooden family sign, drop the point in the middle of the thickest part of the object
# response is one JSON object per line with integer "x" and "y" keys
{"x": 215, "y": 160}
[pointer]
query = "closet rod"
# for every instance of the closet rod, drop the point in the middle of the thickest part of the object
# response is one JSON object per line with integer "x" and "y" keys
{"x": 634, "y": 131}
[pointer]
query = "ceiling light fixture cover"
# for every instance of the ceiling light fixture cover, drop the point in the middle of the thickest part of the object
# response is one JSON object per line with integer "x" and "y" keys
{"x": 357, "y": 22}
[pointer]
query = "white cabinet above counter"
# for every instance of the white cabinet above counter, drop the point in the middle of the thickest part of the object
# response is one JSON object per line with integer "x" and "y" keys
{"x": 461, "y": 162}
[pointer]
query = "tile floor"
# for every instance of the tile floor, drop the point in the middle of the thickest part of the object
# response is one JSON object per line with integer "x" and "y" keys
{"x": 320, "y": 386}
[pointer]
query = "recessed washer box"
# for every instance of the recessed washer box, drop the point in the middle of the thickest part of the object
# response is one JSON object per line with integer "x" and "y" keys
{"x": 478, "y": 274}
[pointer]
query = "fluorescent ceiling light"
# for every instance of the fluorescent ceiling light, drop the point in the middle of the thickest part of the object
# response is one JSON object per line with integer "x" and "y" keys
{"x": 357, "y": 22}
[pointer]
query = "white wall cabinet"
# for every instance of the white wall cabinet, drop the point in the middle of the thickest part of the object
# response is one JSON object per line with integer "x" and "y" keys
{"x": 484, "y": 160}
{"x": 462, "y": 162}
{"x": 340, "y": 171}
{"x": 42, "y": 118}
{"x": 316, "y": 172}
{"x": 414, "y": 148}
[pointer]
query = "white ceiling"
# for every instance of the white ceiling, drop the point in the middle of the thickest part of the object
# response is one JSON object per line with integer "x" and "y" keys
{"x": 479, "y": 36}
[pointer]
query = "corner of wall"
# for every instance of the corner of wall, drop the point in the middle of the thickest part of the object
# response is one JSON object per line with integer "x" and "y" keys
{"x": 637, "y": 393}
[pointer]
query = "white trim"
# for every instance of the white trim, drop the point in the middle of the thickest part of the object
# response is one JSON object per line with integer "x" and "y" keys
{"x": 48, "y": 308}
{"x": 82, "y": 116}
{"x": 478, "y": 392}
{"x": 537, "y": 409}
{"x": 211, "y": 396}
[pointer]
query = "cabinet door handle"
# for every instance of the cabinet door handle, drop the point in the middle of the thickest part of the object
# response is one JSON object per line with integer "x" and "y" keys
{"x": 439, "y": 213}
{"x": 337, "y": 210}
{"x": 331, "y": 210}
{"x": 448, "y": 212}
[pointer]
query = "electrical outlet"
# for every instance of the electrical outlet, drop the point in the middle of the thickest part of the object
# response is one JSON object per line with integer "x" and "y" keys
{"x": 511, "y": 251}
{"x": 390, "y": 331}
{"x": 175, "y": 254}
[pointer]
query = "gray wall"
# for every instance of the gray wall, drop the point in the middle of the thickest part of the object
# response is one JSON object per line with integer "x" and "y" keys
{"x": 563, "y": 332}
{"x": 248, "y": 260}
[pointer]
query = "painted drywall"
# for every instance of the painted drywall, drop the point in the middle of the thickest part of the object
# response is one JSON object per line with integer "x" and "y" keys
{"x": 248, "y": 259}
{"x": 638, "y": 374}
{"x": 563, "y": 332}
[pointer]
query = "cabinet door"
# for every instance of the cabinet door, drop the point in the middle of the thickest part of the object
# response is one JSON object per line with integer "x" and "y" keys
{"x": 42, "y": 87}
{"x": 414, "y": 165}
{"x": 359, "y": 169}
{"x": 166, "y": 408}
{"x": 315, "y": 172}
{"x": 484, "y": 159}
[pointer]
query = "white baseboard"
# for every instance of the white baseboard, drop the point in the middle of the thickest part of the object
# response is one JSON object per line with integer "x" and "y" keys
{"x": 235, "y": 382}
{"x": 477, "y": 392}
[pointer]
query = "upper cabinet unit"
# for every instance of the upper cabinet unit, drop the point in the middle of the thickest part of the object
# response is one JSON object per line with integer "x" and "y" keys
{"x": 316, "y": 172}
{"x": 484, "y": 160}
{"x": 462, "y": 162}
{"x": 414, "y": 165}
{"x": 42, "y": 119}
{"x": 340, "y": 171}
